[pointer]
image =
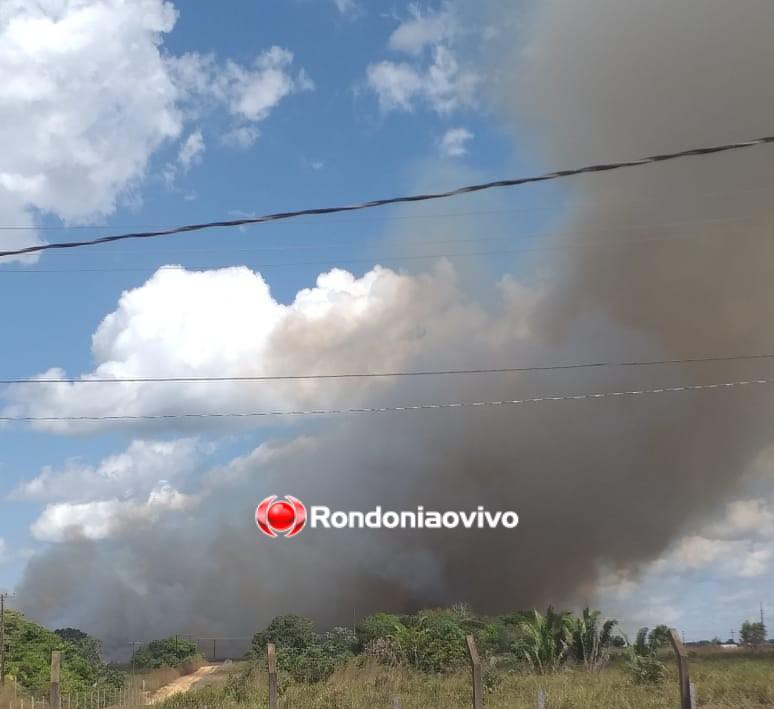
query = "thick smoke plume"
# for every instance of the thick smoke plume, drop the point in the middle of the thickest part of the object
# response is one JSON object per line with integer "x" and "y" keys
{"x": 595, "y": 482}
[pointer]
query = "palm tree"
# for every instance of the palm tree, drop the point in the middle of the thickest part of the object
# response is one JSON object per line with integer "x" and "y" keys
{"x": 591, "y": 639}
{"x": 545, "y": 639}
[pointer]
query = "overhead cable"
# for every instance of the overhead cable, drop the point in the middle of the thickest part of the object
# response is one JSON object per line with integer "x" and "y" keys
{"x": 277, "y": 216}
{"x": 370, "y": 375}
{"x": 394, "y": 409}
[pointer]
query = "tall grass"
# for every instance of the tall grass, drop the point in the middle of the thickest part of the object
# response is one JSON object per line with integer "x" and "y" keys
{"x": 742, "y": 681}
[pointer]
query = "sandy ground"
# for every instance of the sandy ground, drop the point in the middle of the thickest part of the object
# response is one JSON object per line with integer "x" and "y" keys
{"x": 182, "y": 684}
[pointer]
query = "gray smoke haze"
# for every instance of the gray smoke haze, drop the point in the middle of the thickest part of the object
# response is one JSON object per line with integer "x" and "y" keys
{"x": 607, "y": 482}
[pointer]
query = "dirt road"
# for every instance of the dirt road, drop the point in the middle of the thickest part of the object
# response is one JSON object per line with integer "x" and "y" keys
{"x": 182, "y": 684}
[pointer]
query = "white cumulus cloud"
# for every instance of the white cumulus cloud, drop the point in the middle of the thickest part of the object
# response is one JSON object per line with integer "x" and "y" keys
{"x": 85, "y": 98}
{"x": 249, "y": 93}
{"x": 254, "y": 91}
{"x": 226, "y": 323}
{"x": 101, "y": 519}
{"x": 347, "y": 7}
{"x": 434, "y": 76}
{"x": 124, "y": 475}
{"x": 88, "y": 94}
{"x": 241, "y": 137}
{"x": 422, "y": 30}
{"x": 745, "y": 518}
{"x": 442, "y": 84}
{"x": 453, "y": 143}
{"x": 191, "y": 150}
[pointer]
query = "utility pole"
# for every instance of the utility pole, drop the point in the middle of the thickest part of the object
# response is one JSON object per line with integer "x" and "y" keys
{"x": 3, "y": 596}
{"x": 762, "y": 623}
{"x": 2, "y": 639}
{"x": 134, "y": 644}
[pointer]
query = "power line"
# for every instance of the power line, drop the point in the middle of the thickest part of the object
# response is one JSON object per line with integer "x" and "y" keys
{"x": 277, "y": 216}
{"x": 413, "y": 257}
{"x": 396, "y": 409}
{"x": 374, "y": 375}
{"x": 532, "y": 208}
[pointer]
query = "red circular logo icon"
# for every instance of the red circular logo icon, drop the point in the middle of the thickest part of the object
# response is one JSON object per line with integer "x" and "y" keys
{"x": 286, "y": 516}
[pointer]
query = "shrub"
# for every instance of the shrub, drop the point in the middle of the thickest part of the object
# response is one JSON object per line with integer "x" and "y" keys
{"x": 339, "y": 643}
{"x": 591, "y": 639}
{"x": 645, "y": 669}
{"x": 312, "y": 664}
{"x": 385, "y": 651}
{"x": 302, "y": 654}
{"x": 168, "y": 652}
{"x": 642, "y": 662}
{"x": 491, "y": 680}
{"x": 436, "y": 643}
{"x": 496, "y": 638}
{"x": 374, "y": 627}
{"x": 544, "y": 640}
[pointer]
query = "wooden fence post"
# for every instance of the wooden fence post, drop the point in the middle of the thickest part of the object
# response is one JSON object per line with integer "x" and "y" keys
{"x": 682, "y": 668}
{"x": 396, "y": 703}
{"x": 271, "y": 656}
{"x": 475, "y": 664}
{"x": 541, "y": 699}
{"x": 55, "y": 699}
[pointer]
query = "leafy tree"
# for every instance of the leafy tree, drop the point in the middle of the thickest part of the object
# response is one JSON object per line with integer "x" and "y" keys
{"x": 28, "y": 658}
{"x": 591, "y": 639}
{"x": 514, "y": 620}
{"x": 168, "y": 652}
{"x": 287, "y": 632}
{"x": 301, "y": 652}
{"x": 434, "y": 643}
{"x": 753, "y": 633}
{"x": 659, "y": 637}
{"x": 339, "y": 643}
{"x": 377, "y": 626}
{"x": 89, "y": 648}
{"x": 496, "y": 638}
{"x": 649, "y": 643}
{"x": 545, "y": 639}
{"x": 312, "y": 664}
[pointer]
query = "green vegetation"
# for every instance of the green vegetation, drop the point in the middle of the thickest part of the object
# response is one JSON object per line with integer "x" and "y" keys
{"x": 724, "y": 680}
{"x": 168, "y": 652}
{"x": 545, "y": 640}
{"x": 642, "y": 660}
{"x": 592, "y": 639}
{"x": 433, "y": 642}
{"x": 29, "y": 657}
{"x": 577, "y": 660}
{"x": 302, "y": 653}
{"x": 753, "y": 633}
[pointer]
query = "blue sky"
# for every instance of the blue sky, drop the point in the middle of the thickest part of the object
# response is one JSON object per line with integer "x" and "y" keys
{"x": 205, "y": 111}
